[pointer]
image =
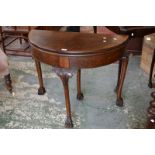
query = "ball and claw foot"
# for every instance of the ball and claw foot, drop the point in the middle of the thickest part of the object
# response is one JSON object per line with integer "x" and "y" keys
{"x": 41, "y": 91}
{"x": 80, "y": 96}
{"x": 119, "y": 102}
{"x": 68, "y": 123}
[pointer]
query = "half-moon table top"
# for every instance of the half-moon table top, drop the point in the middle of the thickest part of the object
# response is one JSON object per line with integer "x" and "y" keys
{"x": 74, "y": 43}
{"x": 76, "y": 50}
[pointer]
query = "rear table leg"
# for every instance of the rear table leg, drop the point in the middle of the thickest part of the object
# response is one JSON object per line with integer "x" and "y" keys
{"x": 79, "y": 93}
{"x": 119, "y": 73}
{"x": 119, "y": 101}
{"x": 41, "y": 90}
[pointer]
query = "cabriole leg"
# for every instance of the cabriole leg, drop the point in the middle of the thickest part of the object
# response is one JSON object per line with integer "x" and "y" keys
{"x": 41, "y": 90}
{"x": 119, "y": 101}
{"x": 79, "y": 93}
{"x": 119, "y": 73}
{"x": 64, "y": 76}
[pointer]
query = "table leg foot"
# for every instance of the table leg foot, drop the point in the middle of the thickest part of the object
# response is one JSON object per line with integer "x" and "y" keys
{"x": 151, "y": 70}
{"x": 68, "y": 123}
{"x": 80, "y": 96}
{"x": 41, "y": 91}
{"x": 119, "y": 102}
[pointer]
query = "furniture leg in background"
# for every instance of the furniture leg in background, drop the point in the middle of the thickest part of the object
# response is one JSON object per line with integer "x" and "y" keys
{"x": 41, "y": 90}
{"x": 151, "y": 113}
{"x": 151, "y": 71}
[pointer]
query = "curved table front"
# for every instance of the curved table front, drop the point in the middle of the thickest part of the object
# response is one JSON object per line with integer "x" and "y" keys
{"x": 68, "y": 52}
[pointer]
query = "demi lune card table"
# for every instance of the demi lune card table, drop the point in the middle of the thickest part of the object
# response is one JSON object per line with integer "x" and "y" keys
{"x": 69, "y": 52}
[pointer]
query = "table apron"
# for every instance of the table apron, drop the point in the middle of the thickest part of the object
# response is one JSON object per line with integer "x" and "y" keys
{"x": 79, "y": 61}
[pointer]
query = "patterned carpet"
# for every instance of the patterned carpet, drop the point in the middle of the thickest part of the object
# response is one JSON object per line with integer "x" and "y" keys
{"x": 98, "y": 110}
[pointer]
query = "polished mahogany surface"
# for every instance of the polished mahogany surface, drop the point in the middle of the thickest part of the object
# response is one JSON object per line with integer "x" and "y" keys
{"x": 76, "y": 50}
{"x": 74, "y": 43}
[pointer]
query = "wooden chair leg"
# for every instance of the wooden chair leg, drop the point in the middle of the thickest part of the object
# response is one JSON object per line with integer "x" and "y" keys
{"x": 79, "y": 93}
{"x": 41, "y": 90}
{"x": 119, "y": 101}
{"x": 8, "y": 82}
{"x": 151, "y": 70}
